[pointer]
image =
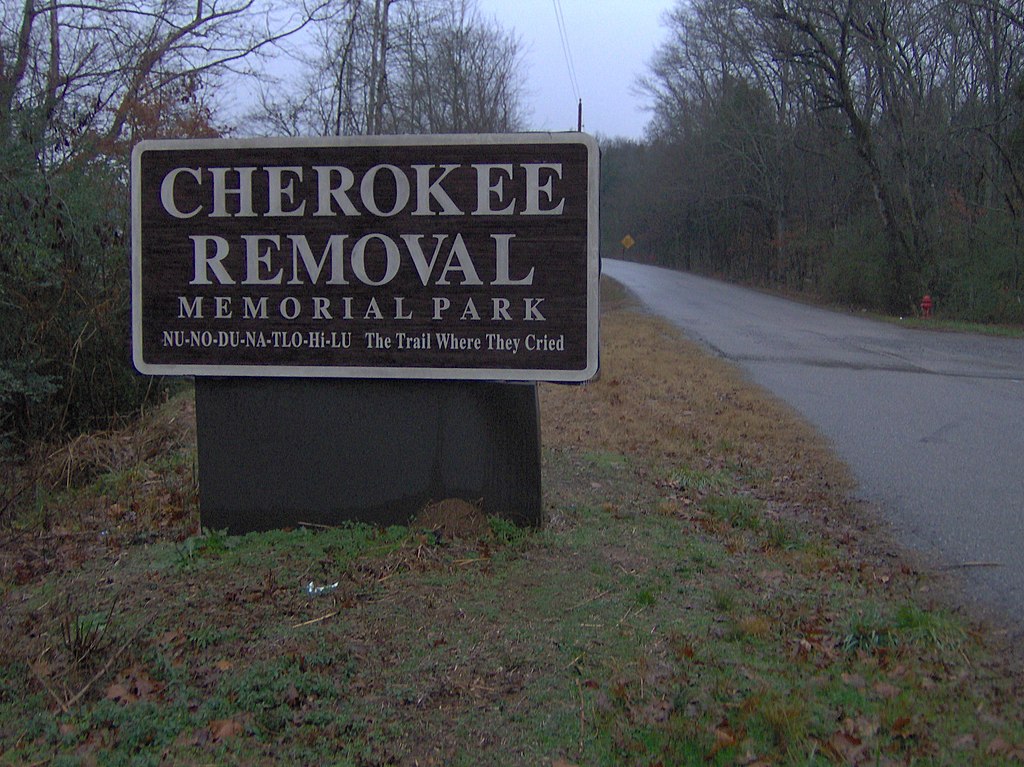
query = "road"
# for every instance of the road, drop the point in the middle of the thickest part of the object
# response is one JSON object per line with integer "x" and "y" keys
{"x": 930, "y": 423}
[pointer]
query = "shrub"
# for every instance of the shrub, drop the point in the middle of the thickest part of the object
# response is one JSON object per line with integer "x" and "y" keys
{"x": 855, "y": 269}
{"x": 979, "y": 270}
{"x": 64, "y": 293}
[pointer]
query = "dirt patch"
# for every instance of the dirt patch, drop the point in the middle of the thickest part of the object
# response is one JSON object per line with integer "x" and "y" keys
{"x": 453, "y": 518}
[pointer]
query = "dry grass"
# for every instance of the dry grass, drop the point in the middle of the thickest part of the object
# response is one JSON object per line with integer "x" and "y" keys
{"x": 64, "y": 504}
{"x": 161, "y": 431}
{"x": 662, "y": 397}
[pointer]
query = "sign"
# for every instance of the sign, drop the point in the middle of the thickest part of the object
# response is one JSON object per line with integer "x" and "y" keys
{"x": 444, "y": 257}
{"x": 628, "y": 242}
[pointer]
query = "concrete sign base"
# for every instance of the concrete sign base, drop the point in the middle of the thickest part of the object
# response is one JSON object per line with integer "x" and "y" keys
{"x": 277, "y": 452}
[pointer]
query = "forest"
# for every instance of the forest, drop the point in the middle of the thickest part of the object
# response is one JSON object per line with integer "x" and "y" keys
{"x": 864, "y": 152}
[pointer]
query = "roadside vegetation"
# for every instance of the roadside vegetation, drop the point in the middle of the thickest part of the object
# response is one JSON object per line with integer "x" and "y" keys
{"x": 867, "y": 153}
{"x": 702, "y": 593}
{"x": 957, "y": 326}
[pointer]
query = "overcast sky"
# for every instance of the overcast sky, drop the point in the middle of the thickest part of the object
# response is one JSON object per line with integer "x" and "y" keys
{"x": 611, "y": 43}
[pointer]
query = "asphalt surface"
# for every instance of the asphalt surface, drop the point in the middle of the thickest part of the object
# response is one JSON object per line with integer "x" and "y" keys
{"x": 931, "y": 423}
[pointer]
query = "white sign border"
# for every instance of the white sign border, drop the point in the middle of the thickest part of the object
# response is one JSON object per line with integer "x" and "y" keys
{"x": 381, "y": 372}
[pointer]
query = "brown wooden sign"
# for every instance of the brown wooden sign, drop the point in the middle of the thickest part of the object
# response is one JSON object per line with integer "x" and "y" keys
{"x": 463, "y": 257}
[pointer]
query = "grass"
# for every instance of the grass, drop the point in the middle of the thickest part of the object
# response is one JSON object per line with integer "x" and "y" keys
{"x": 955, "y": 326}
{"x": 702, "y": 594}
{"x": 701, "y": 481}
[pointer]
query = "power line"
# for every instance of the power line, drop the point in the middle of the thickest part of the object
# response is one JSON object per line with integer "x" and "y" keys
{"x": 566, "y": 50}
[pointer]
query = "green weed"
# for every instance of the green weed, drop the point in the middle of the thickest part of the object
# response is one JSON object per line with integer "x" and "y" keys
{"x": 85, "y": 635}
{"x": 868, "y": 631}
{"x": 919, "y": 626}
{"x": 208, "y": 544}
{"x": 507, "y": 532}
{"x": 204, "y": 637}
{"x": 739, "y": 511}
{"x": 701, "y": 481}
{"x": 723, "y": 599}
{"x": 703, "y": 554}
{"x": 785, "y": 718}
{"x": 749, "y": 472}
{"x": 783, "y": 535}
{"x": 645, "y": 598}
{"x": 606, "y": 460}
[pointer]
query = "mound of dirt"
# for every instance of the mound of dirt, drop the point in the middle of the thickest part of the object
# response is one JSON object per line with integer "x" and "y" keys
{"x": 453, "y": 518}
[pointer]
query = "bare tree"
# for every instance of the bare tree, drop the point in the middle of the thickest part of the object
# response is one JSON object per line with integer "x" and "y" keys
{"x": 76, "y": 70}
{"x": 884, "y": 138}
{"x": 402, "y": 66}
{"x": 460, "y": 76}
{"x": 717, "y": 90}
{"x": 871, "y": 63}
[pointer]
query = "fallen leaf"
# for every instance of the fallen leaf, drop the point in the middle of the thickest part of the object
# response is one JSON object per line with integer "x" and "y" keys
{"x": 41, "y": 667}
{"x": 902, "y": 727}
{"x": 886, "y": 690}
{"x": 119, "y": 693}
{"x": 855, "y": 680}
{"x": 772, "y": 577}
{"x": 143, "y": 684}
{"x": 965, "y": 742}
{"x": 657, "y": 711}
{"x": 998, "y": 747}
{"x": 222, "y": 729}
{"x": 862, "y": 727}
{"x": 724, "y": 738}
{"x": 170, "y": 637}
{"x": 846, "y": 748}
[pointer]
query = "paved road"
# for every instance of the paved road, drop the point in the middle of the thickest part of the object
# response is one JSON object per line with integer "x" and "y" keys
{"x": 932, "y": 424}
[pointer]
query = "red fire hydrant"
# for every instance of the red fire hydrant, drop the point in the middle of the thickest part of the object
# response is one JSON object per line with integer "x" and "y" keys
{"x": 926, "y": 306}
